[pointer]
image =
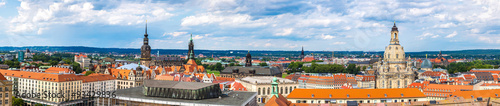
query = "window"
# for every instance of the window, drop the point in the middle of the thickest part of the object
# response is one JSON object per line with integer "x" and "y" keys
{"x": 6, "y": 94}
{"x": 258, "y": 91}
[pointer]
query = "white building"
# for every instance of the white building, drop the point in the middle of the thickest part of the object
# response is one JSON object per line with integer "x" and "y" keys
{"x": 83, "y": 60}
{"x": 262, "y": 85}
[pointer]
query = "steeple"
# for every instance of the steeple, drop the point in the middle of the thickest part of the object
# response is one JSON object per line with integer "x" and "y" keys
{"x": 274, "y": 85}
{"x": 145, "y": 48}
{"x": 191, "y": 48}
{"x": 302, "y": 53}
{"x": 394, "y": 35}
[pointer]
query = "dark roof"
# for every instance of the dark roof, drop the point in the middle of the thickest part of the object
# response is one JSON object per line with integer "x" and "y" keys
{"x": 265, "y": 71}
{"x": 176, "y": 84}
{"x": 234, "y": 98}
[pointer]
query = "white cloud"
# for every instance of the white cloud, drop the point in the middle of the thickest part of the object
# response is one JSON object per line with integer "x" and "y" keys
{"x": 179, "y": 42}
{"x": 175, "y": 34}
{"x": 425, "y": 35}
{"x": 34, "y": 15}
{"x": 2, "y": 3}
{"x": 338, "y": 43}
{"x": 323, "y": 36}
{"x": 222, "y": 19}
{"x": 447, "y": 25}
{"x": 267, "y": 45}
{"x": 284, "y": 32}
{"x": 452, "y": 34}
{"x": 197, "y": 37}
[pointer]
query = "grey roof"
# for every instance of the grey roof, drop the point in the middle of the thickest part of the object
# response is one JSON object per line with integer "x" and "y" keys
{"x": 264, "y": 71}
{"x": 265, "y": 79}
{"x": 426, "y": 64}
{"x": 234, "y": 98}
{"x": 176, "y": 84}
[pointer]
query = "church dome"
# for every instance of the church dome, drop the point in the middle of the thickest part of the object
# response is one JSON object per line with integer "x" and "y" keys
{"x": 426, "y": 64}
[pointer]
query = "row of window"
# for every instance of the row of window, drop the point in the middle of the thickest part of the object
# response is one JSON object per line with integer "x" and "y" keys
{"x": 5, "y": 101}
{"x": 361, "y": 101}
{"x": 280, "y": 90}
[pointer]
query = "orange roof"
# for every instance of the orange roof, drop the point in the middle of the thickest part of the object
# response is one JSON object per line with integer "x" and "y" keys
{"x": 224, "y": 79}
{"x": 478, "y": 93}
{"x": 490, "y": 84}
{"x": 58, "y": 70}
{"x": 278, "y": 101}
{"x": 355, "y": 93}
{"x": 2, "y": 77}
{"x": 497, "y": 71}
{"x": 308, "y": 59}
{"x": 80, "y": 55}
{"x": 453, "y": 88}
{"x": 191, "y": 62}
{"x": 164, "y": 77}
{"x": 238, "y": 87}
{"x": 40, "y": 76}
{"x": 432, "y": 73}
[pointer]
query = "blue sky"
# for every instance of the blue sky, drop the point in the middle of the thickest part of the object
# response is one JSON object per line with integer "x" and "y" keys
{"x": 329, "y": 25}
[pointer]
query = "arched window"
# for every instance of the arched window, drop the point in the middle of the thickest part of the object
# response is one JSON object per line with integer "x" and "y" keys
{"x": 268, "y": 90}
{"x": 286, "y": 90}
{"x": 395, "y": 35}
{"x": 258, "y": 91}
{"x": 397, "y": 55}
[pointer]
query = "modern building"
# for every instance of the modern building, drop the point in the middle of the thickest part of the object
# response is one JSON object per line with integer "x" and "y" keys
{"x": 176, "y": 93}
{"x": 5, "y": 91}
{"x": 334, "y": 96}
{"x": 263, "y": 86}
{"x": 83, "y": 60}
{"x": 393, "y": 71}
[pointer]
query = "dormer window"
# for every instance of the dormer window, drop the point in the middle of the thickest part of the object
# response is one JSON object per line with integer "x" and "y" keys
{"x": 312, "y": 95}
{"x": 368, "y": 95}
{"x": 401, "y": 94}
{"x": 385, "y": 95}
{"x": 331, "y": 95}
{"x": 347, "y": 95}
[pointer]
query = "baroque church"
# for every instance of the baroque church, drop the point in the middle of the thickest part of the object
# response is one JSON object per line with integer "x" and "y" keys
{"x": 394, "y": 71}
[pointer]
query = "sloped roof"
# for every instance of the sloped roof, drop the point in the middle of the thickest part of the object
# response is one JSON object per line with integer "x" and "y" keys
{"x": 176, "y": 84}
{"x": 478, "y": 93}
{"x": 355, "y": 93}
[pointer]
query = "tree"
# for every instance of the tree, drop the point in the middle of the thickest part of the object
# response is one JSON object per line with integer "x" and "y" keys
{"x": 88, "y": 73}
{"x": 38, "y": 104}
{"x": 17, "y": 101}
{"x": 198, "y": 61}
{"x": 231, "y": 64}
{"x": 218, "y": 66}
{"x": 262, "y": 64}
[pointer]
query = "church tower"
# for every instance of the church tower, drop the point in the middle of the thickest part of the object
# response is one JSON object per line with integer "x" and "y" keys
{"x": 302, "y": 53}
{"x": 146, "y": 49}
{"x": 191, "y": 48}
{"x": 393, "y": 71}
{"x": 248, "y": 60}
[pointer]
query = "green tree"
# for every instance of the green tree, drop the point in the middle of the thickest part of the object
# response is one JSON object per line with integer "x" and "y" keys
{"x": 88, "y": 73}
{"x": 198, "y": 61}
{"x": 262, "y": 64}
{"x": 38, "y": 104}
{"x": 17, "y": 101}
{"x": 231, "y": 64}
{"x": 218, "y": 66}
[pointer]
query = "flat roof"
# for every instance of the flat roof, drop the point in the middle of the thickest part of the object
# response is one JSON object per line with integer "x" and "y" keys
{"x": 176, "y": 84}
{"x": 238, "y": 98}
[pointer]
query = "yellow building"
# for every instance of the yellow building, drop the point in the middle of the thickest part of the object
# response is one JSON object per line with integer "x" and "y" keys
{"x": 357, "y": 95}
{"x": 5, "y": 91}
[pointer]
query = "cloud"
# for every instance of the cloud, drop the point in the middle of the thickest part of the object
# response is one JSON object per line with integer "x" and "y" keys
{"x": 447, "y": 25}
{"x": 175, "y": 34}
{"x": 452, "y": 34}
{"x": 2, "y": 3}
{"x": 179, "y": 42}
{"x": 425, "y": 35}
{"x": 34, "y": 16}
{"x": 196, "y": 37}
{"x": 284, "y": 32}
{"x": 338, "y": 43}
{"x": 221, "y": 19}
{"x": 323, "y": 36}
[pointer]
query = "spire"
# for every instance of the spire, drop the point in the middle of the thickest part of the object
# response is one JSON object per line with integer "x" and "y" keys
{"x": 274, "y": 85}
{"x": 191, "y": 39}
{"x": 146, "y": 26}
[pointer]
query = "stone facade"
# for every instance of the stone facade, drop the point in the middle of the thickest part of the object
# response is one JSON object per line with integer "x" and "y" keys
{"x": 393, "y": 71}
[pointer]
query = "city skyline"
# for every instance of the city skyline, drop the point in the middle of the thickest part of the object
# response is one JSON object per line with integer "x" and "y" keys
{"x": 252, "y": 25}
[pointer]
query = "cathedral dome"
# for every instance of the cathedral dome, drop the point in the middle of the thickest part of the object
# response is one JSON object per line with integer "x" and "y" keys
{"x": 426, "y": 64}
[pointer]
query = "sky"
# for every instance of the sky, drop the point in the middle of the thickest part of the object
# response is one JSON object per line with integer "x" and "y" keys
{"x": 317, "y": 25}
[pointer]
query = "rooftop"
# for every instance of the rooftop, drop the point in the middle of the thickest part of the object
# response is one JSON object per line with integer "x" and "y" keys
{"x": 235, "y": 98}
{"x": 355, "y": 93}
{"x": 478, "y": 93}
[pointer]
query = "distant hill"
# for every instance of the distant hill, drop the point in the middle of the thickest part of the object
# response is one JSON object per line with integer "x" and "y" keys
{"x": 232, "y": 52}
